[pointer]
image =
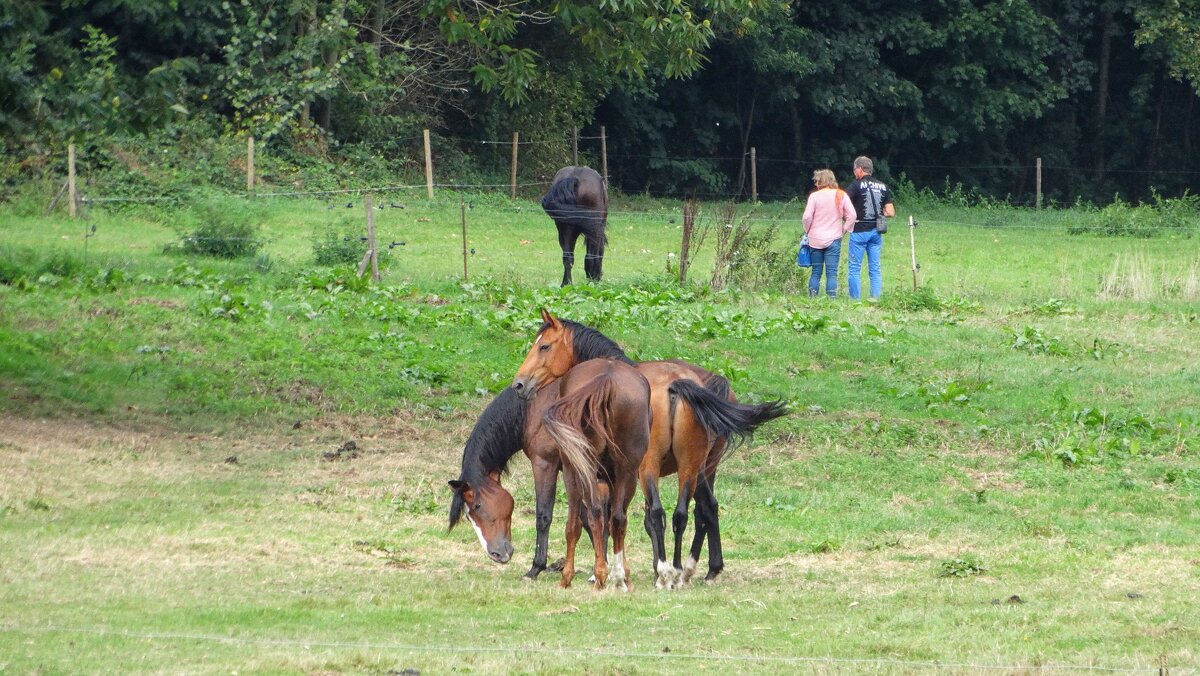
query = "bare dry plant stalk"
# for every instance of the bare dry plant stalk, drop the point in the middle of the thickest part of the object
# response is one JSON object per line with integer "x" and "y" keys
{"x": 730, "y": 237}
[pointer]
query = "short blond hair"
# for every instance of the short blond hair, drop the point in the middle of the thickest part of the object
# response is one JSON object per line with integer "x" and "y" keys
{"x": 824, "y": 178}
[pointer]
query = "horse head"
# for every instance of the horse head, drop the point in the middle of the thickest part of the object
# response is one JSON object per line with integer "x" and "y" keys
{"x": 551, "y": 356}
{"x": 489, "y": 509}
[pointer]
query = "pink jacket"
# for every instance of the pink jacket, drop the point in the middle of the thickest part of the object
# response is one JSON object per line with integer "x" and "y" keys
{"x": 826, "y": 220}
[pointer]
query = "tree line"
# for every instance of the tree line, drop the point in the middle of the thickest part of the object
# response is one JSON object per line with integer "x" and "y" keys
{"x": 964, "y": 94}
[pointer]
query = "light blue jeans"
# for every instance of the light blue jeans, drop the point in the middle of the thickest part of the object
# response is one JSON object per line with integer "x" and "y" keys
{"x": 870, "y": 243}
{"x": 824, "y": 258}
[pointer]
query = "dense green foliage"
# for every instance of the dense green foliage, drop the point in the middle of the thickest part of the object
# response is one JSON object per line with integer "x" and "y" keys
{"x": 965, "y": 93}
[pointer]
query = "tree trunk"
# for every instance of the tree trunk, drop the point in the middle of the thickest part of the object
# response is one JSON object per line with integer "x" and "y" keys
{"x": 377, "y": 27}
{"x": 746, "y": 125}
{"x": 1107, "y": 28}
{"x": 797, "y": 132}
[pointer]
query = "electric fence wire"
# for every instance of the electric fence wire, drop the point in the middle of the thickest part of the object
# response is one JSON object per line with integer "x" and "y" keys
{"x": 581, "y": 653}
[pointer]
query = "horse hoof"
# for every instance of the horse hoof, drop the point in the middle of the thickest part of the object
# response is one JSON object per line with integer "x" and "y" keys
{"x": 557, "y": 566}
{"x": 712, "y": 575}
{"x": 689, "y": 569}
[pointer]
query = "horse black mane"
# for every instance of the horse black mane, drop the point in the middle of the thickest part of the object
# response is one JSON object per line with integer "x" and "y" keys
{"x": 497, "y": 436}
{"x": 591, "y": 344}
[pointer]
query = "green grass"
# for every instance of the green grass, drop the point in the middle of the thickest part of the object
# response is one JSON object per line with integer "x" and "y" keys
{"x": 1023, "y": 426}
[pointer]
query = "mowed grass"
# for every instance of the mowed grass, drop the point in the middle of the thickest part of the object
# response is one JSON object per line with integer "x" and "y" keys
{"x": 998, "y": 471}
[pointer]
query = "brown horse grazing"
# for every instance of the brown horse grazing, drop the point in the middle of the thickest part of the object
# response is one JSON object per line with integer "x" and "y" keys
{"x": 693, "y": 416}
{"x": 601, "y": 423}
{"x": 578, "y": 203}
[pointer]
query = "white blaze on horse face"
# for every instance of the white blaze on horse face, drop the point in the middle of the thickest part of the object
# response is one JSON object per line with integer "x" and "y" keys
{"x": 478, "y": 532}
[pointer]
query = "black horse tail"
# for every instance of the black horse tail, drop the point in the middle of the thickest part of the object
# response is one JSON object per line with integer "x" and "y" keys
{"x": 718, "y": 385}
{"x": 560, "y": 201}
{"x": 719, "y": 416}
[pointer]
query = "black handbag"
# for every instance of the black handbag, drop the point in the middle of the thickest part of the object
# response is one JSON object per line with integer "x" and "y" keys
{"x": 880, "y": 219}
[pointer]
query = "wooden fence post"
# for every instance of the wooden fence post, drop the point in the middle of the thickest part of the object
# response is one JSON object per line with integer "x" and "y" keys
{"x": 753, "y": 175}
{"x": 463, "y": 206}
{"x": 516, "y": 140}
{"x": 603, "y": 156}
{"x": 575, "y": 147}
{"x": 1039, "y": 183}
{"x": 372, "y": 255}
{"x": 250, "y": 164}
{"x": 72, "y": 196}
{"x": 912, "y": 243}
{"x": 428, "y": 167}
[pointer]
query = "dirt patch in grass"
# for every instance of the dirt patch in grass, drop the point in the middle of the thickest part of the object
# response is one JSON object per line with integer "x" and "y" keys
{"x": 160, "y": 302}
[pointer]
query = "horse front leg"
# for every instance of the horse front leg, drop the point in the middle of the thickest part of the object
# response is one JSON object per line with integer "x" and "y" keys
{"x": 545, "y": 480}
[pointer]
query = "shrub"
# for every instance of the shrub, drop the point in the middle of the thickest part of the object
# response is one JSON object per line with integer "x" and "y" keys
{"x": 338, "y": 244}
{"x": 224, "y": 228}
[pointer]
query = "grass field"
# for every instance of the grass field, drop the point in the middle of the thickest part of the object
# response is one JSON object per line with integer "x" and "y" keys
{"x": 999, "y": 471}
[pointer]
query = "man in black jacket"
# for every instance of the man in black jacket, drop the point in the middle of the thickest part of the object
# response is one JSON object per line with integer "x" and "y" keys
{"x": 871, "y": 198}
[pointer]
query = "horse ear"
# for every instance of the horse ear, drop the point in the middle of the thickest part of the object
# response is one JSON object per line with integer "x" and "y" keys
{"x": 547, "y": 317}
{"x": 458, "y": 486}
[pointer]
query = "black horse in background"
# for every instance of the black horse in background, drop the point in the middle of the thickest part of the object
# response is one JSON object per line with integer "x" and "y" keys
{"x": 578, "y": 203}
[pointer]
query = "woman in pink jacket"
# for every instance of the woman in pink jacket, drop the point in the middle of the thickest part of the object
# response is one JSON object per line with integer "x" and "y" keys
{"x": 828, "y": 215}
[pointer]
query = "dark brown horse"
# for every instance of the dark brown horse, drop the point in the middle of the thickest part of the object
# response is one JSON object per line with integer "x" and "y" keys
{"x": 601, "y": 424}
{"x": 509, "y": 424}
{"x": 693, "y": 415}
{"x": 578, "y": 203}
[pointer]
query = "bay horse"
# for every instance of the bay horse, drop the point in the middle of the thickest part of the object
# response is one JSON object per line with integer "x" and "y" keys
{"x": 601, "y": 424}
{"x": 693, "y": 417}
{"x": 578, "y": 203}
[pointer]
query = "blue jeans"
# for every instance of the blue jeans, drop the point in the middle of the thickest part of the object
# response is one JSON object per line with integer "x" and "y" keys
{"x": 870, "y": 243}
{"x": 827, "y": 258}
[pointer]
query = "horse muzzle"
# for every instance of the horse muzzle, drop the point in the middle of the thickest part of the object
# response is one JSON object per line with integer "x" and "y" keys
{"x": 526, "y": 388}
{"x": 502, "y": 553}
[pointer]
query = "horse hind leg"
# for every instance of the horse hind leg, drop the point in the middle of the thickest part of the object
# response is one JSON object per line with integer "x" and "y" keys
{"x": 679, "y": 521}
{"x": 573, "y": 530}
{"x": 655, "y": 522}
{"x": 567, "y": 237}
{"x": 707, "y": 509}
{"x": 593, "y": 261}
{"x": 619, "y": 575}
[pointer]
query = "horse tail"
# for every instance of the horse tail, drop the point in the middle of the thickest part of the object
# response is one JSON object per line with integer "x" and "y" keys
{"x": 560, "y": 201}
{"x": 718, "y": 385}
{"x": 568, "y": 419}
{"x": 720, "y": 417}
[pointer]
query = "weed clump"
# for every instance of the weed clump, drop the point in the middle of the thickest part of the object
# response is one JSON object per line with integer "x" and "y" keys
{"x": 964, "y": 565}
{"x": 225, "y": 228}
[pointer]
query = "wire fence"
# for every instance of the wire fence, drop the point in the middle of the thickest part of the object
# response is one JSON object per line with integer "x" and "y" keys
{"x": 625, "y": 212}
{"x": 1157, "y": 665}
{"x": 741, "y": 184}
